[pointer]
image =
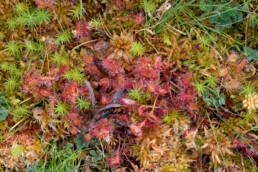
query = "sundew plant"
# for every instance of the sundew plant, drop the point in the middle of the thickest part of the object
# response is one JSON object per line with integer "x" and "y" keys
{"x": 139, "y": 85}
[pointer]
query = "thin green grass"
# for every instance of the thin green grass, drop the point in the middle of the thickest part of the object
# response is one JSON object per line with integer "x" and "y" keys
{"x": 217, "y": 141}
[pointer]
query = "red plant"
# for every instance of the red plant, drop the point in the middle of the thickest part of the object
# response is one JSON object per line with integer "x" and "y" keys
{"x": 102, "y": 129}
{"x": 75, "y": 119}
{"x": 82, "y": 29}
{"x": 45, "y": 92}
{"x": 112, "y": 66}
{"x": 186, "y": 88}
{"x": 45, "y": 3}
{"x": 122, "y": 120}
{"x": 115, "y": 160}
{"x": 186, "y": 94}
{"x": 105, "y": 99}
{"x": 71, "y": 92}
{"x": 137, "y": 128}
{"x": 144, "y": 68}
{"x": 191, "y": 107}
{"x": 128, "y": 102}
{"x": 241, "y": 65}
{"x": 51, "y": 45}
{"x": 139, "y": 18}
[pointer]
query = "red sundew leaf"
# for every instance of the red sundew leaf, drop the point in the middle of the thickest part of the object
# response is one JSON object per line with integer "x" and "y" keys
{"x": 238, "y": 143}
{"x": 144, "y": 68}
{"x": 186, "y": 95}
{"x": 82, "y": 29}
{"x": 102, "y": 129}
{"x": 45, "y": 92}
{"x": 192, "y": 108}
{"x": 251, "y": 151}
{"x": 118, "y": 3}
{"x": 128, "y": 102}
{"x": 137, "y": 128}
{"x": 120, "y": 82}
{"x": 58, "y": 72}
{"x": 86, "y": 38}
{"x": 151, "y": 87}
{"x": 112, "y": 66}
{"x": 30, "y": 82}
{"x": 73, "y": 130}
{"x": 152, "y": 120}
{"x": 161, "y": 91}
{"x": 105, "y": 83}
{"x": 139, "y": 18}
{"x": 93, "y": 70}
{"x": 158, "y": 62}
{"x": 142, "y": 110}
{"x": 122, "y": 120}
{"x": 47, "y": 4}
{"x": 240, "y": 66}
{"x": 105, "y": 99}
{"x": 115, "y": 160}
{"x": 75, "y": 119}
{"x": 71, "y": 92}
{"x": 189, "y": 132}
{"x": 88, "y": 59}
{"x": 47, "y": 80}
{"x": 185, "y": 80}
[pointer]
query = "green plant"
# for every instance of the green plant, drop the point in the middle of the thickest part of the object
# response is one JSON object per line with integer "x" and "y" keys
{"x": 137, "y": 49}
{"x": 75, "y": 75}
{"x": 247, "y": 88}
{"x": 3, "y": 107}
{"x": 149, "y": 6}
{"x": 96, "y": 155}
{"x": 135, "y": 94}
{"x": 43, "y": 16}
{"x": 31, "y": 46}
{"x": 76, "y": 11}
{"x": 64, "y": 37}
{"x": 28, "y": 18}
{"x": 253, "y": 20}
{"x": 4, "y": 66}
{"x": 14, "y": 71}
{"x": 20, "y": 111}
{"x": 60, "y": 59}
{"x": 248, "y": 117}
{"x": 11, "y": 83}
{"x": 61, "y": 108}
{"x": 80, "y": 142}
{"x": 223, "y": 14}
{"x": 171, "y": 117}
{"x": 166, "y": 38}
{"x": 63, "y": 158}
{"x": 13, "y": 47}
{"x": 211, "y": 81}
{"x": 21, "y": 7}
{"x": 250, "y": 53}
{"x": 17, "y": 150}
{"x": 255, "y": 128}
{"x": 83, "y": 103}
{"x": 12, "y": 23}
{"x": 96, "y": 23}
{"x": 2, "y": 35}
{"x": 200, "y": 87}
{"x": 213, "y": 97}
